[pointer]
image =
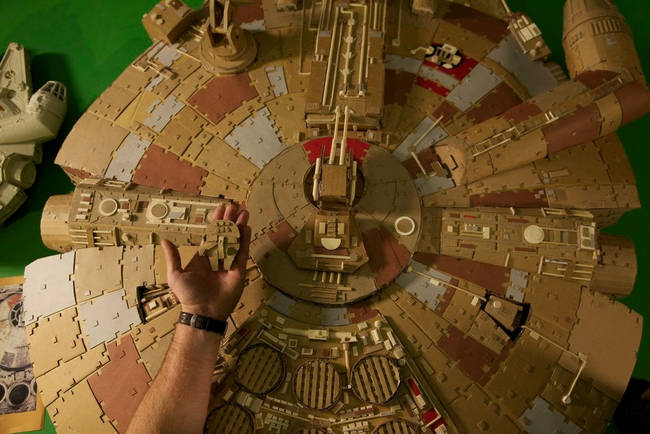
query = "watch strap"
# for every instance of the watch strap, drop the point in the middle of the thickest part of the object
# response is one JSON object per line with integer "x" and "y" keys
{"x": 203, "y": 323}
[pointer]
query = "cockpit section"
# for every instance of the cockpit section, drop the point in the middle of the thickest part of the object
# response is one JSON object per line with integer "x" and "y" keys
{"x": 55, "y": 89}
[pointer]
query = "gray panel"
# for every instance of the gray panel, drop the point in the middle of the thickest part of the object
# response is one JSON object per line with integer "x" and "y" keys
{"x": 256, "y": 138}
{"x": 126, "y": 158}
{"x": 541, "y": 419}
{"x": 105, "y": 316}
{"x": 281, "y": 303}
{"x": 167, "y": 55}
{"x": 474, "y": 86}
{"x": 420, "y": 286}
{"x": 407, "y": 64}
{"x": 438, "y": 76}
{"x": 533, "y": 75}
{"x": 334, "y": 316}
{"x": 433, "y": 184}
{"x": 48, "y": 286}
{"x": 403, "y": 151}
{"x": 275, "y": 75}
{"x": 155, "y": 82}
{"x": 162, "y": 113}
{"x": 518, "y": 281}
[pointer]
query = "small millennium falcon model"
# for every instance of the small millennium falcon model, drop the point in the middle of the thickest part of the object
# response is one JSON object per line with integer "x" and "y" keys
{"x": 26, "y": 121}
{"x": 426, "y": 198}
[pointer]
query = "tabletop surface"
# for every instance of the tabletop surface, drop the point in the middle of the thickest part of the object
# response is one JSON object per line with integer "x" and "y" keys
{"x": 86, "y": 44}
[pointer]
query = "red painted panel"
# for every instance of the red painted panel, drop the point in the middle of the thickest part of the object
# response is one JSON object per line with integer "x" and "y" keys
{"x": 575, "y": 129}
{"x": 490, "y": 277}
{"x": 248, "y": 12}
{"x": 282, "y": 235}
{"x": 500, "y": 99}
{"x": 121, "y": 384}
{"x": 387, "y": 256}
{"x": 521, "y": 112}
{"x": 221, "y": 95}
{"x": 476, "y": 22}
{"x": 634, "y": 99}
{"x": 315, "y": 146}
{"x": 475, "y": 359}
{"x": 432, "y": 86}
{"x": 361, "y": 312}
{"x": 77, "y": 173}
{"x": 517, "y": 198}
{"x": 593, "y": 79}
{"x": 165, "y": 170}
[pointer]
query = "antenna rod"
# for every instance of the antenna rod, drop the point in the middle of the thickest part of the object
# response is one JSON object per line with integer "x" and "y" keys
{"x": 336, "y": 135}
{"x": 344, "y": 140}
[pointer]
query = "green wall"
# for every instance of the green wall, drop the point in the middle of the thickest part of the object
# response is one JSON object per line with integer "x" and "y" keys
{"x": 87, "y": 43}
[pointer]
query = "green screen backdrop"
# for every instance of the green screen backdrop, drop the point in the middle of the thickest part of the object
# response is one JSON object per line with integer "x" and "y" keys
{"x": 86, "y": 44}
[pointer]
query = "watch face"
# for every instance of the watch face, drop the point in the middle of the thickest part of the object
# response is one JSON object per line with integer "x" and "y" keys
{"x": 203, "y": 323}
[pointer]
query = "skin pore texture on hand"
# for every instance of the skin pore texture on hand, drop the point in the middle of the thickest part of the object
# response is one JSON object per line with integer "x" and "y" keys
{"x": 179, "y": 395}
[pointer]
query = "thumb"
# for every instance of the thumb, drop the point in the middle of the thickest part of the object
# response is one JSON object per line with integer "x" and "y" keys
{"x": 172, "y": 259}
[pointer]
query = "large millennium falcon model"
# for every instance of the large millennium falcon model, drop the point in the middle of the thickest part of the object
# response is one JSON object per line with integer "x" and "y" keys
{"x": 426, "y": 195}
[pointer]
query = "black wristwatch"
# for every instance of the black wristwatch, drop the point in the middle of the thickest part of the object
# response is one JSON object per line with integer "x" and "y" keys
{"x": 203, "y": 323}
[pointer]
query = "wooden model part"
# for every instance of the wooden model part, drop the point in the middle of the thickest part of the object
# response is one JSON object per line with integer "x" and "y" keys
{"x": 220, "y": 243}
{"x": 106, "y": 213}
{"x": 424, "y": 7}
{"x": 168, "y": 20}
{"x": 544, "y": 243}
{"x": 226, "y": 48}
{"x": 484, "y": 301}
{"x": 26, "y": 121}
{"x": 528, "y": 35}
{"x": 347, "y": 68}
{"x": 330, "y": 240}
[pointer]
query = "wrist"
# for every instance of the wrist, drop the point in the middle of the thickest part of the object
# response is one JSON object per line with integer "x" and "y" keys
{"x": 192, "y": 338}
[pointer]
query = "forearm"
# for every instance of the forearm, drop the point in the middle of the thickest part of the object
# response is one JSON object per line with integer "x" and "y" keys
{"x": 178, "y": 398}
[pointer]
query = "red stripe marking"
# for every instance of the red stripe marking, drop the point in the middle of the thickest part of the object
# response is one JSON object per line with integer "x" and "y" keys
{"x": 525, "y": 249}
{"x": 430, "y": 415}
{"x": 438, "y": 423}
{"x": 414, "y": 386}
{"x": 314, "y": 147}
{"x": 432, "y": 86}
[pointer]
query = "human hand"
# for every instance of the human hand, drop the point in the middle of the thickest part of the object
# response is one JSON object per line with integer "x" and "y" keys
{"x": 201, "y": 290}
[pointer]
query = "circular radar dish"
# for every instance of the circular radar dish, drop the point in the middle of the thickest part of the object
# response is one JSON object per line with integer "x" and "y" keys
{"x": 229, "y": 418}
{"x": 108, "y": 207}
{"x": 260, "y": 369}
{"x": 326, "y": 254}
{"x": 396, "y": 426}
{"x": 317, "y": 385}
{"x": 405, "y": 226}
{"x": 159, "y": 210}
{"x": 375, "y": 379}
{"x": 533, "y": 234}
